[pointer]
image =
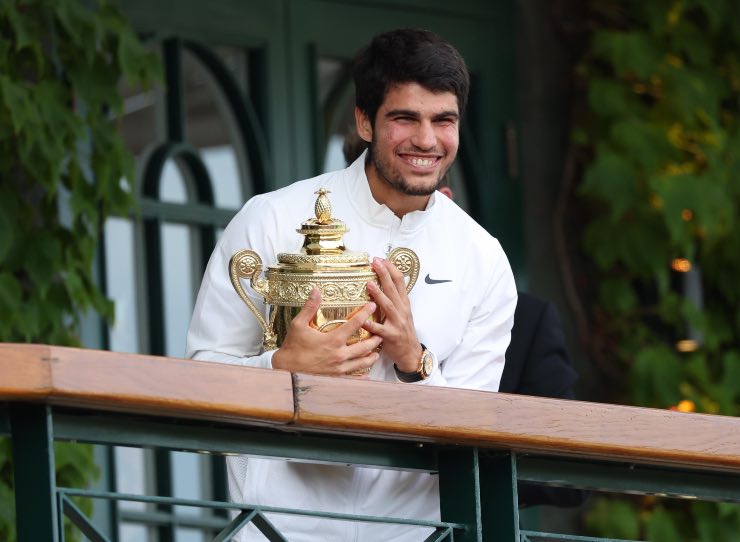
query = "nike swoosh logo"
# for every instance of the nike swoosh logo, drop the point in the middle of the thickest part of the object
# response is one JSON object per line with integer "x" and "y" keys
{"x": 430, "y": 280}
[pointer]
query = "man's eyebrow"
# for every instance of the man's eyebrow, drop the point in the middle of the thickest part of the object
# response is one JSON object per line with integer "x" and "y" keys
{"x": 402, "y": 113}
{"x": 446, "y": 115}
{"x": 415, "y": 114}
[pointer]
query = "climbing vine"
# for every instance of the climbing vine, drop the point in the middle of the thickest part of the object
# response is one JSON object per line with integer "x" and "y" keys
{"x": 63, "y": 170}
{"x": 660, "y": 131}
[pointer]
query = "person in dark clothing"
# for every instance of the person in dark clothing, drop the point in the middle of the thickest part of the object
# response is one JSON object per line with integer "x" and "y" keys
{"x": 537, "y": 363}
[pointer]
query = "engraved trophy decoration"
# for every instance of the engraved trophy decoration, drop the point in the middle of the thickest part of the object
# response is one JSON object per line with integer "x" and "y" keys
{"x": 323, "y": 263}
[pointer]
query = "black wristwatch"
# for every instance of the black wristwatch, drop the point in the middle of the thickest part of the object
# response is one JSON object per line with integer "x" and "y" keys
{"x": 426, "y": 366}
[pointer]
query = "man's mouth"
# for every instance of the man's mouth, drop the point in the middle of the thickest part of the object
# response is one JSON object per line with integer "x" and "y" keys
{"x": 421, "y": 161}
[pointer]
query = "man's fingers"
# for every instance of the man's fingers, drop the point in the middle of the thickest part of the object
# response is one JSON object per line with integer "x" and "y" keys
{"x": 364, "y": 348}
{"x": 380, "y": 297}
{"x": 310, "y": 308}
{"x": 348, "y": 328}
{"x": 382, "y": 269}
{"x": 399, "y": 281}
{"x": 373, "y": 327}
{"x": 360, "y": 366}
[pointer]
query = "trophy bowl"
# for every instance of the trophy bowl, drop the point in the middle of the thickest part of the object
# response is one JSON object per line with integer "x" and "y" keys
{"x": 322, "y": 263}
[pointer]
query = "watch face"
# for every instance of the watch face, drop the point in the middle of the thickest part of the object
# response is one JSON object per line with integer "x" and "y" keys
{"x": 427, "y": 364}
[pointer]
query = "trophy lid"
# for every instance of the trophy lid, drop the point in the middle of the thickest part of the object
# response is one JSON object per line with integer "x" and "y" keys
{"x": 323, "y": 246}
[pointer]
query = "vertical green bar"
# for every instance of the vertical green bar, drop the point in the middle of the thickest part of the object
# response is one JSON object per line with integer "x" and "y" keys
{"x": 35, "y": 486}
{"x": 459, "y": 492}
{"x": 500, "y": 502}
{"x": 164, "y": 487}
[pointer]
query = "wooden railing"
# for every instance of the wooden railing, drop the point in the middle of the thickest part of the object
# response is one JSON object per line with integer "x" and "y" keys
{"x": 480, "y": 443}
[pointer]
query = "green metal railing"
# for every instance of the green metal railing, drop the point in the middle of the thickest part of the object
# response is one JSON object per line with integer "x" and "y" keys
{"x": 478, "y": 486}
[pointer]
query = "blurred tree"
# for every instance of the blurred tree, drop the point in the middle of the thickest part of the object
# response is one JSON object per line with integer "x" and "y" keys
{"x": 64, "y": 169}
{"x": 658, "y": 135}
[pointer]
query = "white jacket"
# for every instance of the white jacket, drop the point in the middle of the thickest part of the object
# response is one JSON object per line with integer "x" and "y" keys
{"x": 465, "y": 323}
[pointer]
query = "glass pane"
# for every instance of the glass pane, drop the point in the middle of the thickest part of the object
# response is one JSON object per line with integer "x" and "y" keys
{"x": 334, "y": 157}
{"x": 131, "y": 475}
{"x": 189, "y": 535}
{"x": 336, "y": 102}
{"x": 172, "y": 187}
{"x": 187, "y": 480}
{"x": 212, "y": 127}
{"x": 222, "y": 166}
{"x": 133, "y": 533}
{"x": 140, "y": 123}
{"x": 178, "y": 286}
{"x": 121, "y": 284}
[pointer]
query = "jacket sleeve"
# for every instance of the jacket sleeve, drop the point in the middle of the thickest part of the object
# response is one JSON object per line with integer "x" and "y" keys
{"x": 478, "y": 361}
{"x": 222, "y": 327}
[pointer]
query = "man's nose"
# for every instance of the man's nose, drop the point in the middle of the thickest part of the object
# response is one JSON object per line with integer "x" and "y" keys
{"x": 425, "y": 138}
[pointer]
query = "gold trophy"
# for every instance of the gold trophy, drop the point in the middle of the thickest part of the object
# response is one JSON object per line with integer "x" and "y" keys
{"x": 323, "y": 263}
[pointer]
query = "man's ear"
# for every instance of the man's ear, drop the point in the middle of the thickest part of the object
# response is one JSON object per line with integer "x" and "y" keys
{"x": 363, "y": 125}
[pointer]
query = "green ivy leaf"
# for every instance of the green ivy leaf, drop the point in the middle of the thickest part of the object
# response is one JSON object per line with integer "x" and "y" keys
{"x": 617, "y": 295}
{"x": 612, "y": 179}
{"x": 10, "y": 295}
{"x": 731, "y": 383}
{"x": 17, "y": 99}
{"x": 644, "y": 142}
{"x": 613, "y": 519}
{"x": 656, "y": 376}
{"x": 608, "y": 97}
{"x": 661, "y": 527}
{"x": 703, "y": 197}
{"x": 628, "y": 52}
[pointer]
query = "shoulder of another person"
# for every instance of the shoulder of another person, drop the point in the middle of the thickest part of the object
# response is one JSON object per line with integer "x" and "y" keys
{"x": 534, "y": 303}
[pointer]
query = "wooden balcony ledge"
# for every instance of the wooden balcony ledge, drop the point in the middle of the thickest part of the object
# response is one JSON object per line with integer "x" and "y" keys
{"x": 160, "y": 386}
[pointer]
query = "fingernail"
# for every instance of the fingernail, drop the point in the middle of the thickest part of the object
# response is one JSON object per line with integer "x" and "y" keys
{"x": 372, "y": 307}
{"x": 314, "y": 294}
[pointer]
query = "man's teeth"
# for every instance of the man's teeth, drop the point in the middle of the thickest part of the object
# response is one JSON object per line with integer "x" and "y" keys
{"x": 422, "y": 161}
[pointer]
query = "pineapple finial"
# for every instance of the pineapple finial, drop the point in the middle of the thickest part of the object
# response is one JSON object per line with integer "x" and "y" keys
{"x": 322, "y": 207}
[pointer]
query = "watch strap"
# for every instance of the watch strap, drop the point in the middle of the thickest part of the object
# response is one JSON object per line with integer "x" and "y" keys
{"x": 413, "y": 376}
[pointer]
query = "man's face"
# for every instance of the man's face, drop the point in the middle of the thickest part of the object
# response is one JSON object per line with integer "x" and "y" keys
{"x": 415, "y": 138}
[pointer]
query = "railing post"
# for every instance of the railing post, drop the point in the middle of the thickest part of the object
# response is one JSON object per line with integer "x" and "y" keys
{"x": 35, "y": 486}
{"x": 481, "y": 492}
{"x": 499, "y": 497}
{"x": 459, "y": 492}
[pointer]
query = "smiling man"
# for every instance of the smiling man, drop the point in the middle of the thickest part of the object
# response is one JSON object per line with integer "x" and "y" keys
{"x": 451, "y": 330}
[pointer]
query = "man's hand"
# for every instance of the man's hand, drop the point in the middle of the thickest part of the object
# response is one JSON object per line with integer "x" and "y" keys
{"x": 397, "y": 330}
{"x": 308, "y": 350}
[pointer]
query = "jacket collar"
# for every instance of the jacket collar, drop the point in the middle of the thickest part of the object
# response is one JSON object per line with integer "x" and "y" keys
{"x": 379, "y": 214}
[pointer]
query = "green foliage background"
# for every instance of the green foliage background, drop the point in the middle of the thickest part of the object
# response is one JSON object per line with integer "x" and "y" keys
{"x": 662, "y": 181}
{"x": 64, "y": 169}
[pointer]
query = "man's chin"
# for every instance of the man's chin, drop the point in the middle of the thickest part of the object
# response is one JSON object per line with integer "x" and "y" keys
{"x": 415, "y": 189}
{"x": 420, "y": 192}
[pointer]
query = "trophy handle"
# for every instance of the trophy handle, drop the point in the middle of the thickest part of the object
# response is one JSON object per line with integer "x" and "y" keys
{"x": 247, "y": 264}
{"x": 407, "y": 263}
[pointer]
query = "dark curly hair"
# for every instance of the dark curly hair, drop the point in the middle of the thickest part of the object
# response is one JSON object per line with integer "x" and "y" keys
{"x": 408, "y": 55}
